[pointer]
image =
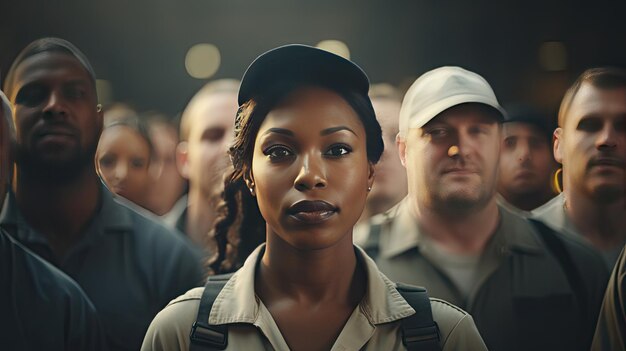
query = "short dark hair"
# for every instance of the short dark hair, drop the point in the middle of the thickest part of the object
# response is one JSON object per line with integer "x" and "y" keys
{"x": 599, "y": 77}
{"x": 47, "y": 45}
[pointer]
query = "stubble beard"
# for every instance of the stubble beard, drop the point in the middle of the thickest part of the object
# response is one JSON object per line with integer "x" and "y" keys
{"x": 54, "y": 172}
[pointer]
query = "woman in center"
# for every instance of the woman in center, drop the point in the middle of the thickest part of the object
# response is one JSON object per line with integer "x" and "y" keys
{"x": 306, "y": 142}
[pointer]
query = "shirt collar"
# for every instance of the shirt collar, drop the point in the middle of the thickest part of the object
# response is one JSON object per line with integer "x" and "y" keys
{"x": 404, "y": 233}
{"x": 111, "y": 216}
{"x": 238, "y": 303}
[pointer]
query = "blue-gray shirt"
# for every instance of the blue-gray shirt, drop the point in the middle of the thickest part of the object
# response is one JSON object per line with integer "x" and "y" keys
{"x": 40, "y": 307}
{"x": 128, "y": 264}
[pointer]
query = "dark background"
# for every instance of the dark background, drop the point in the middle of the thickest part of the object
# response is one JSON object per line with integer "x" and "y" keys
{"x": 140, "y": 45}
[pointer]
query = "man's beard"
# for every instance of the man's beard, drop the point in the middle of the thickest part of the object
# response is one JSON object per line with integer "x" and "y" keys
{"x": 458, "y": 205}
{"x": 54, "y": 172}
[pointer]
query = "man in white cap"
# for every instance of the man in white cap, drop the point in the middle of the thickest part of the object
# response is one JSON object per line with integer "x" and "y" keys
{"x": 527, "y": 288}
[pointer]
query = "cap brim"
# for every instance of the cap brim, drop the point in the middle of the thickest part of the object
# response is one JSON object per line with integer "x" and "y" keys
{"x": 432, "y": 111}
{"x": 300, "y": 63}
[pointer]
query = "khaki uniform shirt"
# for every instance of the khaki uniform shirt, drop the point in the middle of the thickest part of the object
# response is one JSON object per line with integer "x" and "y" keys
{"x": 522, "y": 299}
{"x": 374, "y": 324}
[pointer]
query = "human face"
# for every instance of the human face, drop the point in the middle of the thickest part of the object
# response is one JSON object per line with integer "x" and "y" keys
{"x": 390, "y": 185}
{"x": 56, "y": 116}
{"x": 526, "y": 162}
{"x": 123, "y": 159}
{"x": 452, "y": 162}
{"x": 205, "y": 154}
{"x": 591, "y": 144}
{"x": 310, "y": 169}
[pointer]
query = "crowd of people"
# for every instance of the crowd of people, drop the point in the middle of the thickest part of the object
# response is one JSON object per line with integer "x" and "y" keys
{"x": 303, "y": 208}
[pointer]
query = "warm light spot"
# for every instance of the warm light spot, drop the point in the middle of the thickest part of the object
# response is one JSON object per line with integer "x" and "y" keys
{"x": 202, "y": 60}
{"x": 336, "y": 47}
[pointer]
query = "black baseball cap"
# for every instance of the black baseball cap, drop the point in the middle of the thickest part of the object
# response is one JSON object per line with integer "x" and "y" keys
{"x": 300, "y": 63}
{"x": 529, "y": 115}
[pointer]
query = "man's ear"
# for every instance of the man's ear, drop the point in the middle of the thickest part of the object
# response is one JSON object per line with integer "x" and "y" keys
{"x": 182, "y": 159}
{"x": 401, "y": 145}
{"x": 557, "y": 141}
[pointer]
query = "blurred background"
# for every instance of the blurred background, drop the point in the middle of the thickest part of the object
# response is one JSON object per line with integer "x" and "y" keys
{"x": 154, "y": 54}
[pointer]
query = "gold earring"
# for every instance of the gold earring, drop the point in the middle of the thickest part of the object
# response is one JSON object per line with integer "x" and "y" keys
{"x": 555, "y": 183}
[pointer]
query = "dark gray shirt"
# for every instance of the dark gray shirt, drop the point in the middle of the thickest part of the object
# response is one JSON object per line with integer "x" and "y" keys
{"x": 40, "y": 307}
{"x": 128, "y": 264}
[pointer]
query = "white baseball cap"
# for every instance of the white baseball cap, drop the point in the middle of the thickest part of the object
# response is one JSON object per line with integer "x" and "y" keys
{"x": 438, "y": 90}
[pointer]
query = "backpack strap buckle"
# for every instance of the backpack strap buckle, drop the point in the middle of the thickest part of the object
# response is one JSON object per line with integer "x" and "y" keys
{"x": 215, "y": 336}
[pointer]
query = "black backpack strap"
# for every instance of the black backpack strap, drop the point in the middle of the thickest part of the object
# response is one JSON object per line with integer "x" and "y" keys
{"x": 203, "y": 336}
{"x": 557, "y": 248}
{"x": 419, "y": 331}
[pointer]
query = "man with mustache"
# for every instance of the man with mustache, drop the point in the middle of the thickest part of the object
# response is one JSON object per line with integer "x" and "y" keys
{"x": 129, "y": 265}
{"x": 590, "y": 144}
{"x": 526, "y": 162}
{"x": 450, "y": 235}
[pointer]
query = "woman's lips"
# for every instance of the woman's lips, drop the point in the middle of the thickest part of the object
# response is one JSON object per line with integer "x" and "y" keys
{"x": 311, "y": 212}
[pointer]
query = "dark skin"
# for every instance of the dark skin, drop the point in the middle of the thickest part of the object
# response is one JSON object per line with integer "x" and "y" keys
{"x": 57, "y": 123}
{"x": 309, "y": 277}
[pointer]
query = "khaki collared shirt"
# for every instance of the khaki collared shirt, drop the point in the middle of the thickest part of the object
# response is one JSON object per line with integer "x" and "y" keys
{"x": 373, "y": 325}
{"x": 522, "y": 299}
{"x": 554, "y": 215}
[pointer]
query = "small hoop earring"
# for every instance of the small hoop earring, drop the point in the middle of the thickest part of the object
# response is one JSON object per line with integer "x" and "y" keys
{"x": 99, "y": 107}
{"x": 555, "y": 182}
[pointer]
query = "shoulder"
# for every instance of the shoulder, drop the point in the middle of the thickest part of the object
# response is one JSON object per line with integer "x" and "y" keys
{"x": 149, "y": 229}
{"x": 170, "y": 328}
{"x": 456, "y": 327}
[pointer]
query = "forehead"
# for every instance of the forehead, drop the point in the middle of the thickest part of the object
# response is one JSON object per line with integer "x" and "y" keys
{"x": 48, "y": 67}
{"x": 598, "y": 102}
{"x": 215, "y": 109}
{"x": 465, "y": 114}
{"x": 314, "y": 109}
{"x": 122, "y": 136}
{"x": 522, "y": 129}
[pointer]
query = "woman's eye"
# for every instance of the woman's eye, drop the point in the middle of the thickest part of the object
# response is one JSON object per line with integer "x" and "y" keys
{"x": 138, "y": 163}
{"x": 107, "y": 161}
{"x": 338, "y": 150}
{"x": 277, "y": 152}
